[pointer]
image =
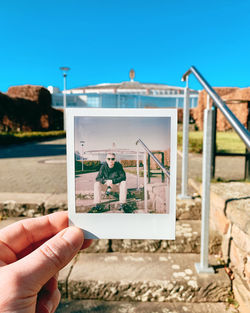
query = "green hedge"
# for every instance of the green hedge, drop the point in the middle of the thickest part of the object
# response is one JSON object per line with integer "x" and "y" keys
{"x": 92, "y": 166}
{"x": 130, "y": 163}
{"x": 21, "y": 137}
{"x": 87, "y": 166}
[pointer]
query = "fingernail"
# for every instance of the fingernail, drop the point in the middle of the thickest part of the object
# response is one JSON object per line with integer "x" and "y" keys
{"x": 74, "y": 236}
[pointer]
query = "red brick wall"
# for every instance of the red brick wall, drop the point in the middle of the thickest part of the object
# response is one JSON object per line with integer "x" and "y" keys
{"x": 237, "y": 100}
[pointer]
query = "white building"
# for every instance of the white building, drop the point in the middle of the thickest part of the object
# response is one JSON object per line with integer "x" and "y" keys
{"x": 128, "y": 94}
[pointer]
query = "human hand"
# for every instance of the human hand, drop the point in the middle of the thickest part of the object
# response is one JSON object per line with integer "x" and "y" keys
{"x": 32, "y": 252}
{"x": 109, "y": 183}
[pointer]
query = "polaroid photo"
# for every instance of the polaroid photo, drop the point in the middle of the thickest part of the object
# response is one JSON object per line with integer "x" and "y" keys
{"x": 121, "y": 170}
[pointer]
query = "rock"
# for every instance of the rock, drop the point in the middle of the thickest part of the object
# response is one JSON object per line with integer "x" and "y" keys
{"x": 12, "y": 208}
{"x": 99, "y": 246}
{"x": 188, "y": 209}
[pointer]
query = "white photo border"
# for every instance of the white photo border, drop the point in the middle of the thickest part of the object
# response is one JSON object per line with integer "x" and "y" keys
{"x": 122, "y": 226}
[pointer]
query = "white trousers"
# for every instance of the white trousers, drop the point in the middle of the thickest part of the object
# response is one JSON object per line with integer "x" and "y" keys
{"x": 121, "y": 187}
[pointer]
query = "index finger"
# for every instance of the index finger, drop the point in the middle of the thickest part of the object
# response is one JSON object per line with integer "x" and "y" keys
{"x": 18, "y": 236}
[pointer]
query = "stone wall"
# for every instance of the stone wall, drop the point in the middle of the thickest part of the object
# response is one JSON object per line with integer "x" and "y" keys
{"x": 237, "y": 100}
{"x": 28, "y": 108}
{"x": 230, "y": 216}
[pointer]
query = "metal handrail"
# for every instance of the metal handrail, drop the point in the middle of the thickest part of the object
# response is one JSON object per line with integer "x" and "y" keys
{"x": 232, "y": 119}
{"x": 165, "y": 171}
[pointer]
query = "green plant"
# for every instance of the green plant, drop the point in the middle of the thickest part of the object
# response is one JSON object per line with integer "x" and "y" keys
{"x": 231, "y": 301}
{"x": 7, "y": 138}
{"x": 195, "y": 141}
{"x": 88, "y": 166}
{"x": 228, "y": 142}
{"x": 196, "y": 145}
{"x": 130, "y": 163}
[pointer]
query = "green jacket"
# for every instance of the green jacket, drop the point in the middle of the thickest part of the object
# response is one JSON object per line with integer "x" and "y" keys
{"x": 116, "y": 173}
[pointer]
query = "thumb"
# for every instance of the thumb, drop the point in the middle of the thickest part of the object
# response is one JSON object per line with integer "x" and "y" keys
{"x": 43, "y": 263}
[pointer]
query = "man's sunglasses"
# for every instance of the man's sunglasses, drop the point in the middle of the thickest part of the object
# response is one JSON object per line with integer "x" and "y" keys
{"x": 110, "y": 159}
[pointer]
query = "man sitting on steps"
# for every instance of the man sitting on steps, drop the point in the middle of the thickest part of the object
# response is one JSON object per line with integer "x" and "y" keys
{"x": 111, "y": 177}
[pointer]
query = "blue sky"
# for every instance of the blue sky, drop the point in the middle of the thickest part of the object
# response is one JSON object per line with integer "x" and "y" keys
{"x": 102, "y": 40}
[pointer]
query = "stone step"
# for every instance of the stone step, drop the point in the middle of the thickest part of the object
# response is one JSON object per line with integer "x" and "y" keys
{"x": 188, "y": 209}
{"x": 31, "y": 205}
{"x": 112, "y": 206}
{"x": 187, "y": 241}
{"x": 94, "y": 306}
{"x": 185, "y": 209}
{"x": 142, "y": 277}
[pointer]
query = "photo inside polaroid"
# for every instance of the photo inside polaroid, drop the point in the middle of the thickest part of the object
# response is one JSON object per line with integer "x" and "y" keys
{"x": 121, "y": 167}
{"x": 122, "y": 164}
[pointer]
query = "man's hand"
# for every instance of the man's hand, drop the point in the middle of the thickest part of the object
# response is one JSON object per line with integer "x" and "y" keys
{"x": 109, "y": 183}
{"x": 32, "y": 252}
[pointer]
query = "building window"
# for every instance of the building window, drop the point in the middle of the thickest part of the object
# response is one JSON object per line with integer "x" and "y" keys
{"x": 93, "y": 101}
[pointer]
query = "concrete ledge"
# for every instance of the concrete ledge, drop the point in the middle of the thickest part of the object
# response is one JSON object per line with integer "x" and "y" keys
{"x": 94, "y": 306}
{"x": 31, "y": 204}
{"x": 233, "y": 201}
{"x": 145, "y": 277}
{"x": 24, "y": 197}
{"x": 238, "y": 211}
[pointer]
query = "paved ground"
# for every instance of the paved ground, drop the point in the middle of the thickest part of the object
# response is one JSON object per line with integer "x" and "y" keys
{"x": 34, "y": 168}
{"x": 41, "y": 168}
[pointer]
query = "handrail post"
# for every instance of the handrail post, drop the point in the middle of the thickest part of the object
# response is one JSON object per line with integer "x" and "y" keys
{"x": 137, "y": 168}
{"x": 214, "y": 149}
{"x": 247, "y": 164}
{"x": 167, "y": 202}
{"x": 148, "y": 169}
{"x": 145, "y": 182}
{"x": 247, "y": 158}
{"x": 162, "y": 174}
{"x": 203, "y": 266}
{"x": 184, "y": 180}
